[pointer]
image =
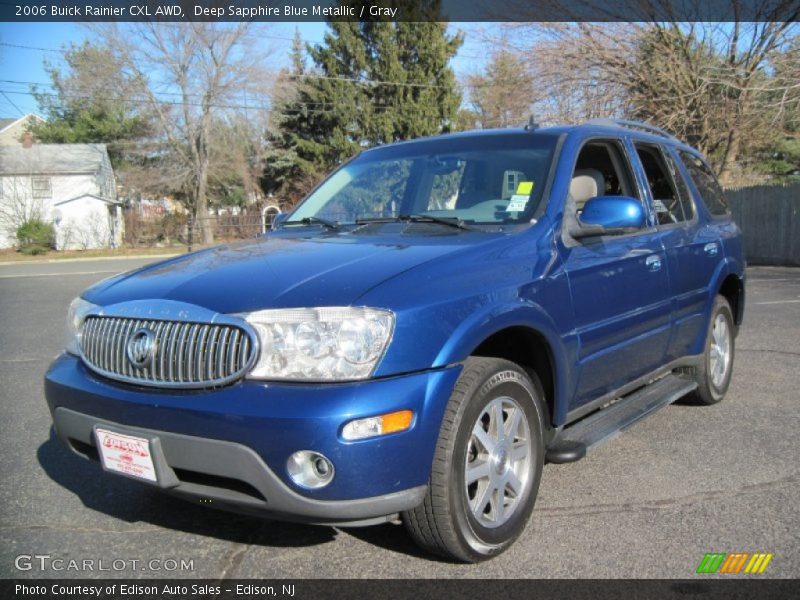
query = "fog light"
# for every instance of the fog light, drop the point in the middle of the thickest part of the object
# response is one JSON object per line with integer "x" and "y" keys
{"x": 310, "y": 469}
{"x": 379, "y": 425}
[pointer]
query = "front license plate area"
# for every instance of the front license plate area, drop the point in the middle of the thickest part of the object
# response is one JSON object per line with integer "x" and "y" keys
{"x": 126, "y": 454}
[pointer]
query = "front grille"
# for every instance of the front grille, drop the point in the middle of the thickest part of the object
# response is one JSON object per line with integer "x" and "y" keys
{"x": 184, "y": 355}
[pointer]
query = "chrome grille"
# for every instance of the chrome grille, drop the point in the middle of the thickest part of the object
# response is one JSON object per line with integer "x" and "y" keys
{"x": 189, "y": 355}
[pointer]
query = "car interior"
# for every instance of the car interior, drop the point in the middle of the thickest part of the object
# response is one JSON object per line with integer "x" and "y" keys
{"x": 599, "y": 171}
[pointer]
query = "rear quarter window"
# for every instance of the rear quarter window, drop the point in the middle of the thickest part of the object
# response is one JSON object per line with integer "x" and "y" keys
{"x": 706, "y": 184}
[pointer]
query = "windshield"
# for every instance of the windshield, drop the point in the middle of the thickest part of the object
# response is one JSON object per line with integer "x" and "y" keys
{"x": 480, "y": 180}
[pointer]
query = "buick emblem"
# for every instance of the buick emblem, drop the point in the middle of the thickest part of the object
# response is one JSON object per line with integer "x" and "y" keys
{"x": 141, "y": 348}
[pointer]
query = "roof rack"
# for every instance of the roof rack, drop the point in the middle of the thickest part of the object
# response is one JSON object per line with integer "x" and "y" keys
{"x": 646, "y": 127}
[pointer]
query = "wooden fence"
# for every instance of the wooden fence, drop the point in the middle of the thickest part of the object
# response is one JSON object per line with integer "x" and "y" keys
{"x": 769, "y": 216}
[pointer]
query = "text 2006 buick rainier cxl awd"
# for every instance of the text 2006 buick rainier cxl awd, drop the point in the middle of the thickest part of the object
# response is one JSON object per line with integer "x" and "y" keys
{"x": 419, "y": 336}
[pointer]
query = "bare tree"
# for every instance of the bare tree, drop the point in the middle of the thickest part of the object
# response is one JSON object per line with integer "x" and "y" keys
{"x": 195, "y": 74}
{"x": 18, "y": 206}
{"x": 709, "y": 83}
{"x": 237, "y": 155}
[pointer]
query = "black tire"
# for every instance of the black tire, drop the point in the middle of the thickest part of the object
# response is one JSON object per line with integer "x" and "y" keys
{"x": 444, "y": 523}
{"x": 708, "y": 390}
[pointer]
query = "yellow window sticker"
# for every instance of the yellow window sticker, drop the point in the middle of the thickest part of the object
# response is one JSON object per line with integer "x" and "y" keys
{"x": 519, "y": 201}
{"x": 524, "y": 188}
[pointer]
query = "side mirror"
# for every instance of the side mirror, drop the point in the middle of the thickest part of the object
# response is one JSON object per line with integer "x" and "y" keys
{"x": 609, "y": 215}
{"x": 277, "y": 220}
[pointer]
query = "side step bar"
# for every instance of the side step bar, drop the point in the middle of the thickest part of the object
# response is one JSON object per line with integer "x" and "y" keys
{"x": 606, "y": 423}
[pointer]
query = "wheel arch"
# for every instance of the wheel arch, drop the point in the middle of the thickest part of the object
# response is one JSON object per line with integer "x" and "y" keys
{"x": 731, "y": 288}
{"x": 527, "y": 348}
{"x": 523, "y": 334}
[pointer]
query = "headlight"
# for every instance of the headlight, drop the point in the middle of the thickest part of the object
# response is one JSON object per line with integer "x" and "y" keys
{"x": 78, "y": 309}
{"x": 320, "y": 344}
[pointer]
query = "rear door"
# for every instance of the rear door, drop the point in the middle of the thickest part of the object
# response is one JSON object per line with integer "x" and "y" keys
{"x": 619, "y": 285}
{"x": 692, "y": 248}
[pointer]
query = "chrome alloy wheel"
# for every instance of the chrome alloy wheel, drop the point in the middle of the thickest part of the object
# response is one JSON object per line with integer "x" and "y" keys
{"x": 720, "y": 351}
{"x": 497, "y": 468}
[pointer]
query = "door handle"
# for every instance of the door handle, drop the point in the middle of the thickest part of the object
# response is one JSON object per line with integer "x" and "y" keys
{"x": 653, "y": 262}
{"x": 711, "y": 249}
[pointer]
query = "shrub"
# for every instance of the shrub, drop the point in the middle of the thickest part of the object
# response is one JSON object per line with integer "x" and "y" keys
{"x": 36, "y": 236}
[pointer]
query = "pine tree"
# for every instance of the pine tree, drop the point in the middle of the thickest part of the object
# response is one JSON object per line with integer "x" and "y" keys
{"x": 371, "y": 83}
{"x": 92, "y": 103}
{"x": 502, "y": 96}
{"x": 316, "y": 117}
{"x": 297, "y": 57}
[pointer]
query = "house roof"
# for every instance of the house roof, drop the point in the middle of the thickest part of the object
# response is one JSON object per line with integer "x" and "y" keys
{"x": 52, "y": 159}
{"x": 95, "y": 196}
{"x": 8, "y": 122}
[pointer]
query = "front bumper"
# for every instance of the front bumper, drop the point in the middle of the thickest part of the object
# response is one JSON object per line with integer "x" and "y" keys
{"x": 228, "y": 447}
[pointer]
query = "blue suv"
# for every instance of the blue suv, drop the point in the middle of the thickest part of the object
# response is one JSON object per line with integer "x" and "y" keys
{"x": 437, "y": 320}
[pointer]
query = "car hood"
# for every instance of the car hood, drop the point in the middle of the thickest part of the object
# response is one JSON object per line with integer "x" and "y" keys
{"x": 279, "y": 272}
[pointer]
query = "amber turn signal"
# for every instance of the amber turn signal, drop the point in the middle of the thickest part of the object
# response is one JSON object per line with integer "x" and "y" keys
{"x": 379, "y": 425}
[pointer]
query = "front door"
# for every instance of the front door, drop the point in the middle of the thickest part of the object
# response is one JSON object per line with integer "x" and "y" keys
{"x": 619, "y": 285}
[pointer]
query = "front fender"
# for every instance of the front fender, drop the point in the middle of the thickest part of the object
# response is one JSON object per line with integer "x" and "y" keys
{"x": 492, "y": 319}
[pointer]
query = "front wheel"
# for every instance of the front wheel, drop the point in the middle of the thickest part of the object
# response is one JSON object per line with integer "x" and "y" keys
{"x": 487, "y": 464}
{"x": 714, "y": 372}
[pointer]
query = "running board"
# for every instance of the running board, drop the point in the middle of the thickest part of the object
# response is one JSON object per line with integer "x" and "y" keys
{"x": 605, "y": 424}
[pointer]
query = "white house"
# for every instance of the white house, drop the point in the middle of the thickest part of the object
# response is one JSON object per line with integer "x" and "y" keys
{"x": 70, "y": 185}
{"x": 12, "y": 129}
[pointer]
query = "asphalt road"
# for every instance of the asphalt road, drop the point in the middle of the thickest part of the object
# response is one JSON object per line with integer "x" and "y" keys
{"x": 686, "y": 481}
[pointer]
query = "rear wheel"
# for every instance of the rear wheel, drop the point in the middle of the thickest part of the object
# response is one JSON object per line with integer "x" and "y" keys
{"x": 715, "y": 371}
{"x": 487, "y": 464}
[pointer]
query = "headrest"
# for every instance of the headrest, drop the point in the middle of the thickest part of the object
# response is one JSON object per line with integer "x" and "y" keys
{"x": 586, "y": 184}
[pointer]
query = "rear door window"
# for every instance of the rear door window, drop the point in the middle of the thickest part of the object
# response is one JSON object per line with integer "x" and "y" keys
{"x": 666, "y": 200}
{"x": 706, "y": 184}
{"x": 684, "y": 195}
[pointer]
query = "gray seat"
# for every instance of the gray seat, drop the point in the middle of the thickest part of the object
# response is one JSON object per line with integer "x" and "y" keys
{"x": 586, "y": 184}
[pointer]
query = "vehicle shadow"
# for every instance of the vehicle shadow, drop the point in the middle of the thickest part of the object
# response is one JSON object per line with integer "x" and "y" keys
{"x": 133, "y": 502}
{"x": 392, "y": 537}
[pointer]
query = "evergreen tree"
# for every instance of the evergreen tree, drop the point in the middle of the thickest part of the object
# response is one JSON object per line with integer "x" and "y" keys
{"x": 297, "y": 55}
{"x": 93, "y": 102}
{"x": 502, "y": 96}
{"x": 371, "y": 83}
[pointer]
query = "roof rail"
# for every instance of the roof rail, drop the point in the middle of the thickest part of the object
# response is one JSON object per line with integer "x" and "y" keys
{"x": 646, "y": 127}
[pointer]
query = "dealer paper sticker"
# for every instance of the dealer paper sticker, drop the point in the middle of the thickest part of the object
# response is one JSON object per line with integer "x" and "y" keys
{"x": 126, "y": 454}
{"x": 519, "y": 200}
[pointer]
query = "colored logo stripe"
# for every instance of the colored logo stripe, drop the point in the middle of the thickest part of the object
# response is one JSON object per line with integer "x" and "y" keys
{"x": 733, "y": 563}
{"x": 758, "y": 563}
{"x": 711, "y": 562}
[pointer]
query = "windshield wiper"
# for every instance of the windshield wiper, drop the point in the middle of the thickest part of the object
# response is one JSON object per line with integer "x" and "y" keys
{"x": 415, "y": 218}
{"x": 450, "y": 221}
{"x": 313, "y": 221}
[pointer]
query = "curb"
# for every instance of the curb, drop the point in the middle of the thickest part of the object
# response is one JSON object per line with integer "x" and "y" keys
{"x": 50, "y": 261}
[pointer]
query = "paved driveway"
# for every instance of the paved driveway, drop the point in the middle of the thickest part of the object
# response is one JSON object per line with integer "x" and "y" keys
{"x": 651, "y": 503}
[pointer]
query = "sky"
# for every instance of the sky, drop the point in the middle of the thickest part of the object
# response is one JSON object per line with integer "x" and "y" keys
{"x": 19, "y": 67}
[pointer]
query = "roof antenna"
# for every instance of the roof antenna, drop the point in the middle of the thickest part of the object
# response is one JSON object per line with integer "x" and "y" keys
{"x": 532, "y": 124}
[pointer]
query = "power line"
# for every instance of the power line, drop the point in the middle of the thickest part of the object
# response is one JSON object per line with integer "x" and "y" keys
{"x": 268, "y": 37}
{"x": 23, "y": 47}
{"x": 52, "y": 86}
{"x": 134, "y": 100}
{"x": 356, "y": 80}
{"x": 11, "y": 102}
{"x": 303, "y": 108}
